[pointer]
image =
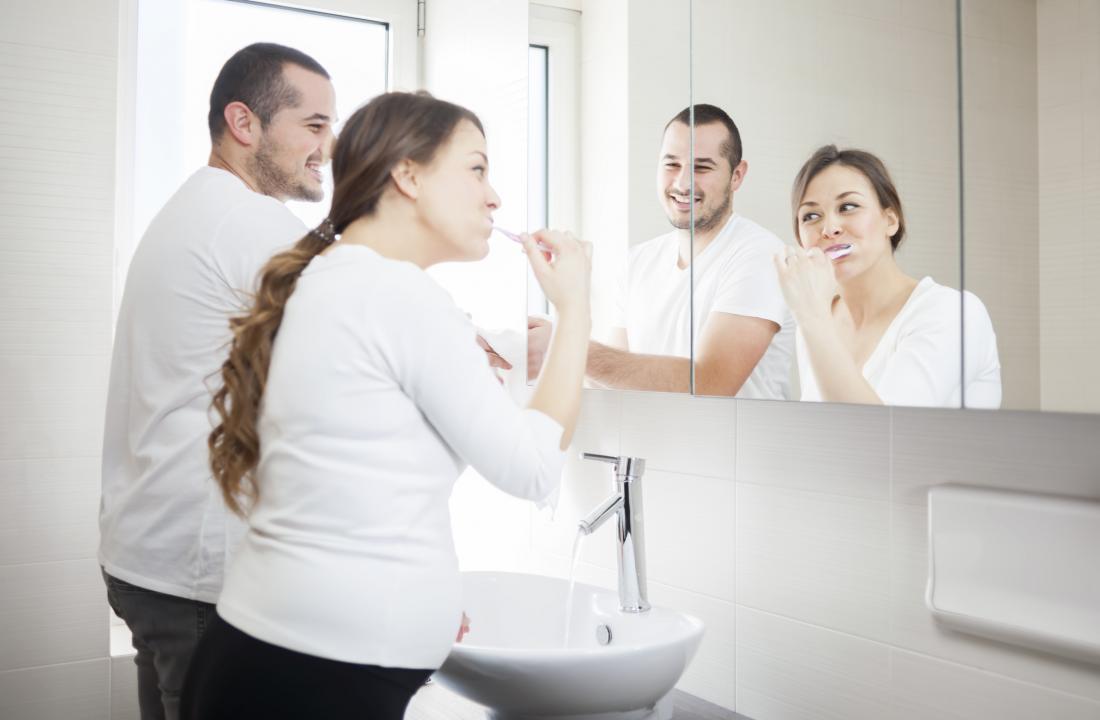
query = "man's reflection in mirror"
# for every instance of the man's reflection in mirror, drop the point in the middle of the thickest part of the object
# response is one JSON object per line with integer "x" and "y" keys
{"x": 742, "y": 331}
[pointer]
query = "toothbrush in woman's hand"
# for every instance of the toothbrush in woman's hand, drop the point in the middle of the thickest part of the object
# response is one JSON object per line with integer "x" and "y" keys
{"x": 516, "y": 238}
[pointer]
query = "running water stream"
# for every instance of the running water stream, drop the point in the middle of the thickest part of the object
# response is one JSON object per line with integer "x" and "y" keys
{"x": 572, "y": 583}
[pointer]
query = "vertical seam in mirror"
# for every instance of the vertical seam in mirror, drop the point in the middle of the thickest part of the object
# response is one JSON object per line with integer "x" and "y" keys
{"x": 691, "y": 215}
{"x": 962, "y": 204}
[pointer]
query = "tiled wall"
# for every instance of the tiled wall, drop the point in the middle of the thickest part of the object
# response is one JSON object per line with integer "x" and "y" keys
{"x": 796, "y": 531}
{"x": 1069, "y": 200}
{"x": 57, "y": 147}
{"x": 1000, "y": 88}
{"x": 878, "y": 75}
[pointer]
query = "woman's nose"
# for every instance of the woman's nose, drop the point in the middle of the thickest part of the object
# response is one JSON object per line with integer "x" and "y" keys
{"x": 831, "y": 230}
{"x": 493, "y": 201}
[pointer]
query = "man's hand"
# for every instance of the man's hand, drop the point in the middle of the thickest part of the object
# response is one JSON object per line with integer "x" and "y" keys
{"x": 495, "y": 360}
{"x": 463, "y": 628}
{"x": 539, "y": 331}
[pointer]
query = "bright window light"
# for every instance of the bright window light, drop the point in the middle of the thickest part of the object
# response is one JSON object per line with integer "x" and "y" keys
{"x": 538, "y": 157}
{"x": 353, "y": 51}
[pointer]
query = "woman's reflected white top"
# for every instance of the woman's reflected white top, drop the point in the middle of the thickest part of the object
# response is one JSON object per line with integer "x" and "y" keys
{"x": 377, "y": 398}
{"x": 918, "y": 359}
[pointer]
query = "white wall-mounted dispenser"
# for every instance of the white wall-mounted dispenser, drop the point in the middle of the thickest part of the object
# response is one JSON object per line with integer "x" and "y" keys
{"x": 1017, "y": 567}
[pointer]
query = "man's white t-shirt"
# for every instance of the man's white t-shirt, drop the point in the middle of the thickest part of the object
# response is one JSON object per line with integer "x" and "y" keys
{"x": 163, "y": 524}
{"x": 734, "y": 274}
{"x": 377, "y": 398}
{"x": 917, "y": 362}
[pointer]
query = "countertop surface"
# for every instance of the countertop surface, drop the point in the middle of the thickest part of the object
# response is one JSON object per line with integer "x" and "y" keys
{"x": 435, "y": 702}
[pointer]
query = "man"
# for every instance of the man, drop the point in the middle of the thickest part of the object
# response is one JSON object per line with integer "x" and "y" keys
{"x": 742, "y": 331}
{"x": 166, "y": 534}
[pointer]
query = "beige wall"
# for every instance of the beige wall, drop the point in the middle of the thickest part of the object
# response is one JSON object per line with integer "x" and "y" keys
{"x": 879, "y": 76}
{"x": 1002, "y": 183}
{"x": 1032, "y": 80}
{"x": 1069, "y": 203}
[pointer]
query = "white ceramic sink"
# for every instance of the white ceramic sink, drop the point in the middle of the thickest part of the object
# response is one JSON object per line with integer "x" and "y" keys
{"x": 517, "y": 661}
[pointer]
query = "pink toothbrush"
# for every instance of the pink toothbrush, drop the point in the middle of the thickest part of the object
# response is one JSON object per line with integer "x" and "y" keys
{"x": 517, "y": 239}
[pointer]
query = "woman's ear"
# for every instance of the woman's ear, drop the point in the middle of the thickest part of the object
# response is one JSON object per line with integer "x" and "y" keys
{"x": 406, "y": 179}
{"x": 892, "y": 222}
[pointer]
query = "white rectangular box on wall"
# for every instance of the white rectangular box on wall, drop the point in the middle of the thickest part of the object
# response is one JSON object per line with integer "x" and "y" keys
{"x": 1016, "y": 567}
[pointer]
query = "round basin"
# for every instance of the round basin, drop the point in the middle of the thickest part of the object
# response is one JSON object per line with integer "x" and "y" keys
{"x": 524, "y": 658}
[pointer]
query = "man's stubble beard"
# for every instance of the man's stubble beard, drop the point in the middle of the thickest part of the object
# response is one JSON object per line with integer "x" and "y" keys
{"x": 273, "y": 180}
{"x": 711, "y": 221}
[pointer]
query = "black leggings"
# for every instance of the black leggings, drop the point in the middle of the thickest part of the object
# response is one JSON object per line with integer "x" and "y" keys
{"x": 234, "y": 676}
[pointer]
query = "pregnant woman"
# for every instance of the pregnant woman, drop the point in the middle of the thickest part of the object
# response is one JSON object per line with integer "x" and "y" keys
{"x": 354, "y": 394}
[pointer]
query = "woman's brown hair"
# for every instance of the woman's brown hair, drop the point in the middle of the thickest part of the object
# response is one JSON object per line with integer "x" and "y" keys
{"x": 868, "y": 165}
{"x": 390, "y": 128}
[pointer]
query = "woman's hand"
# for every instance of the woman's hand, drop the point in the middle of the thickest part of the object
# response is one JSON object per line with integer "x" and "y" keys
{"x": 565, "y": 277}
{"x": 808, "y": 283}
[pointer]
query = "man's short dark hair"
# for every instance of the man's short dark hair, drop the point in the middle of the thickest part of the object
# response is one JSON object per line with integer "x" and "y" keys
{"x": 254, "y": 76}
{"x": 707, "y": 114}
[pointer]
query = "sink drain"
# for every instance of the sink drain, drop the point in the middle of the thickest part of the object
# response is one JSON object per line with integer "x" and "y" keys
{"x": 603, "y": 634}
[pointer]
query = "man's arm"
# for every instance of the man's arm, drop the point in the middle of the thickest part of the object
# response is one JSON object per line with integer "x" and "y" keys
{"x": 729, "y": 349}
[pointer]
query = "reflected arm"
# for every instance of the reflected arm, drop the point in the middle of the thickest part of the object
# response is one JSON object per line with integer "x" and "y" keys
{"x": 729, "y": 349}
{"x": 838, "y": 377}
{"x": 614, "y": 368}
{"x": 730, "y": 346}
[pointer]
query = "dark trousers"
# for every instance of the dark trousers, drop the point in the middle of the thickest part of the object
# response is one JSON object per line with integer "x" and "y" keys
{"x": 235, "y": 676}
{"x": 165, "y": 631}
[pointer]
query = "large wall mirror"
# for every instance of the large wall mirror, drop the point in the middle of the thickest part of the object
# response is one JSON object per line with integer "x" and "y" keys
{"x": 604, "y": 81}
{"x": 845, "y": 288}
{"x": 1031, "y": 152}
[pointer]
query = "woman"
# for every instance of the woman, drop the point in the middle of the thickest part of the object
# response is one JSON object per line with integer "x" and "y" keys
{"x": 354, "y": 395}
{"x": 867, "y": 332}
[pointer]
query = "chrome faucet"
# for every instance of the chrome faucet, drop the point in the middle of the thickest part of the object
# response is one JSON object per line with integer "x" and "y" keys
{"x": 626, "y": 504}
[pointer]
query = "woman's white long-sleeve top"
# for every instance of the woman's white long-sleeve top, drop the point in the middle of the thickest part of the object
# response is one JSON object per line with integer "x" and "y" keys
{"x": 376, "y": 400}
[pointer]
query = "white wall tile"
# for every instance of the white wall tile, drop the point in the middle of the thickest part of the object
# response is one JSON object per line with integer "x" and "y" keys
{"x": 52, "y": 613}
{"x": 923, "y": 687}
{"x": 713, "y": 682}
{"x": 124, "y": 693}
{"x": 913, "y": 628}
{"x": 1047, "y": 452}
{"x": 711, "y": 672}
{"x": 53, "y": 405}
{"x": 48, "y": 509}
{"x": 702, "y": 442}
{"x": 689, "y": 532}
{"x": 819, "y": 558}
{"x": 821, "y": 447}
{"x": 73, "y": 691}
{"x": 797, "y": 670}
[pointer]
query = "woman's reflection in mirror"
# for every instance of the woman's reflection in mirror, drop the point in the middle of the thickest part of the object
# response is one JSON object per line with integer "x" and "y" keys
{"x": 867, "y": 331}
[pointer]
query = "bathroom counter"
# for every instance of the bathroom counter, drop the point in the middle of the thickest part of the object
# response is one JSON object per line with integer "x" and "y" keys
{"x": 435, "y": 702}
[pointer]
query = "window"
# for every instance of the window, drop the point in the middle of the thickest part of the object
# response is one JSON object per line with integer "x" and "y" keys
{"x": 173, "y": 54}
{"x": 553, "y": 185}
